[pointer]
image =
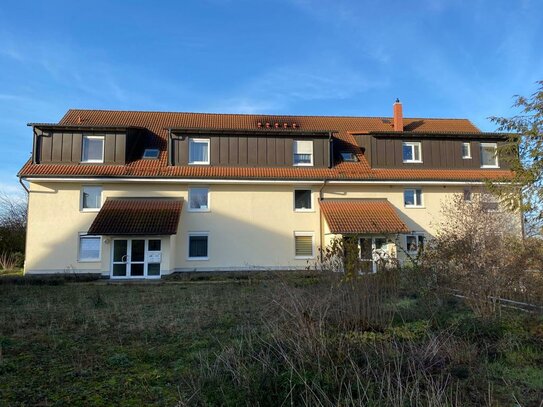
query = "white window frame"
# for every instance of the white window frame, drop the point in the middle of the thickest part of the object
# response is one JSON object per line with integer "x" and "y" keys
{"x": 295, "y": 151}
{"x": 416, "y": 235}
{"x": 312, "y": 209}
{"x": 312, "y": 234}
{"x": 189, "y": 235}
{"x": 413, "y": 144}
{"x": 200, "y": 140}
{"x": 208, "y": 209}
{"x": 83, "y": 235}
{"x": 81, "y": 208}
{"x": 417, "y": 205}
{"x": 495, "y": 145}
{"x": 88, "y": 136}
{"x": 466, "y": 157}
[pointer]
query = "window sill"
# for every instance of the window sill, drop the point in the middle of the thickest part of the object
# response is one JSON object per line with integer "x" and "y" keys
{"x": 197, "y": 258}
{"x": 199, "y": 210}
{"x": 414, "y": 207}
{"x": 304, "y": 210}
{"x": 89, "y": 260}
{"x": 304, "y": 257}
{"x": 199, "y": 163}
{"x": 89, "y": 210}
{"x": 412, "y": 162}
{"x": 490, "y": 166}
{"x": 92, "y": 162}
{"x": 302, "y": 165}
{"x": 466, "y": 158}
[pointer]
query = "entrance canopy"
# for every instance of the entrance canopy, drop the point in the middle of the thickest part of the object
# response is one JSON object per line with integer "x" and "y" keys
{"x": 362, "y": 216}
{"x": 137, "y": 216}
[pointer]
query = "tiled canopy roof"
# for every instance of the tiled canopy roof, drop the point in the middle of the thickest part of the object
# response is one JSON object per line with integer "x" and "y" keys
{"x": 158, "y": 123}
{"x": 357, "y": 216}
{"x": 137, "y": 216}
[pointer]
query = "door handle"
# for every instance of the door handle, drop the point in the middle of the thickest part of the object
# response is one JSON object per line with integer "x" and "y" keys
{"x": 124, "y": 258}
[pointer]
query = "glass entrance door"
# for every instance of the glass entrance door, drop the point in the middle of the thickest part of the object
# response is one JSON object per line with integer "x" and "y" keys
{"x": 372, "y": 253}
{"x": 136, "y": 258}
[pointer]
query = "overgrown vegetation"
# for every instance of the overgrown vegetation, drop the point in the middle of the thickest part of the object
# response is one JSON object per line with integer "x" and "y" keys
{"x": 296, "y": 339}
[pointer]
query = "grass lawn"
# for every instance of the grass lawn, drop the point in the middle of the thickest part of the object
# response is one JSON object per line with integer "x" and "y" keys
{"x": 141, "y": 344}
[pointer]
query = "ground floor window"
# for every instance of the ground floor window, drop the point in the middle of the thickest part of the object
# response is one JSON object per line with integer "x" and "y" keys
{"x": 303, "y": 245}
{"x": 414, "y": 243}
{"x": 89, "y": 248}
{"x": 198, "y": 246}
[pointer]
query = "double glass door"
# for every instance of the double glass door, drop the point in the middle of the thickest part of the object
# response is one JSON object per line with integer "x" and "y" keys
{"x": 138, "y": 258}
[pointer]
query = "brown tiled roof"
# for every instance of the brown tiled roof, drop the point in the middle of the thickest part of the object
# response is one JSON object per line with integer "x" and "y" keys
{"x": 137, "y": 216}
{"x": 158, "y": 123}
{"x": 354, "y": 216}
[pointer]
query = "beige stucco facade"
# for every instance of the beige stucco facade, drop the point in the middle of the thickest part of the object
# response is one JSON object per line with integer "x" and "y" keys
{"x": 249, "y": 225}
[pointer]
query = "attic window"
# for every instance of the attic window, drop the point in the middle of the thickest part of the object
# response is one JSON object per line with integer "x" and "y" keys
{"x": 348, "y": 156}
{"x": 151, "y": 153}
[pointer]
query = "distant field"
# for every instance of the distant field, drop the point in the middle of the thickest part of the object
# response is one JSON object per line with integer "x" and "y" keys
{"x": 215, "y": 342}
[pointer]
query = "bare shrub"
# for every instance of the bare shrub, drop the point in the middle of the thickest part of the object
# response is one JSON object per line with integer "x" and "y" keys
{"x": 10, "y": 261}
{"x": 480, "y": 254}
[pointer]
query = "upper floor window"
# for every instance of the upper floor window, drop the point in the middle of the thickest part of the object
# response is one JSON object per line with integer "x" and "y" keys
{"x": 199, "y": 199}
{"x": 93, "y": 149}
{"x": 489, "y": 155}
{"x": 466, "y": 151}
{"x": 412, "y": 198}
{"x": 151, "y": 153}
{"x": 91, "y": 198}
{"x": 303, "y": 152}
{"x": 198, "y": 151}
{"x": 411, "y": 152}
{"x": 302, "y": 200}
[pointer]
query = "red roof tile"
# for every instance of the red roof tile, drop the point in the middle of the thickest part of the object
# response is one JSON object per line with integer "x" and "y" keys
{"x": 355, "y": 216}
{"x": 137, "y": 216}
{"x": 159, "y": 122}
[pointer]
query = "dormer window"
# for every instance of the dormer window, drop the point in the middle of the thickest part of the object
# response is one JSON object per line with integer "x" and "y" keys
{"x": 93, "y": 149}
{"x": 466, "y": 151}
{"x": 303, "y": 152}
{"x": 199, "y": 151}
{"x": 348, "y": 156}
{"x": 151, "y": 153}
{"x": 489, "y": 155}
{"x": 411, "y": 151}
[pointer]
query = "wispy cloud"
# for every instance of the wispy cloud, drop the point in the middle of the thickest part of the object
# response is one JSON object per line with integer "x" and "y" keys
{"x": 279, "y": 88}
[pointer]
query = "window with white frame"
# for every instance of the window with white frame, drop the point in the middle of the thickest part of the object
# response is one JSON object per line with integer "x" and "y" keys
{"x": 489, "y": 155}
{"x": 198, "y": 151}
{"x": 92, "y": 149}
{"x": 466, "y": 151}
{"x": 411, "y": 152}
{"x": 198, "y": 246}
{"x": 199, "y": 199}
{"x": 412, "y": 198}
{"x": 303, "y": 200}
{"x": 303, "y": 245}
{"x": 414, "y": 243}
{"x": 91, "y": 197}
{"x": 303, "y": 152}
{"x": 89, "y": 248}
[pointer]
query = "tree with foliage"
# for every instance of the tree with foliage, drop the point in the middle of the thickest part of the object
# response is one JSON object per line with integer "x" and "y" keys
{"x": 524, "y": 152}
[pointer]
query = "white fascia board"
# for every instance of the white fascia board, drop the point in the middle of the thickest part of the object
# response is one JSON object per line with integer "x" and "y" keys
{"x": 108, "y": 180}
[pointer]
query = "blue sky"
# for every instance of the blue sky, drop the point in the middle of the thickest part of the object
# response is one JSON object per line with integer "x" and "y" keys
{"x": 441, "y": 58}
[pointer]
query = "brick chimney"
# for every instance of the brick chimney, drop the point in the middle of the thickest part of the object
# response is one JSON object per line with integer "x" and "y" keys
{"x": 398, "y": 116}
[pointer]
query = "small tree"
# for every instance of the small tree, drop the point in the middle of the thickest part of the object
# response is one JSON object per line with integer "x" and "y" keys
{"x": 479, "y": 253}
{"x": 524, "y": 153}
{"x": 12, "y": 230}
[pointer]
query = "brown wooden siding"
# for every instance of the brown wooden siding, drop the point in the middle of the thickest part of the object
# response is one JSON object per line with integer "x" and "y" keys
{"x": 386, "y": 152}
{"x": 250, "y": 151}
{"x": 65, "y": 147}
